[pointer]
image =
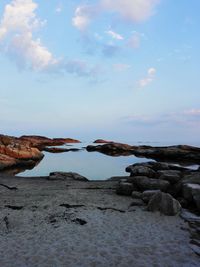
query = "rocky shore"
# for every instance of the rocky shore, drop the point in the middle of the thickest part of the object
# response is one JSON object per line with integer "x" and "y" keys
{"x": 26, "y": 151}
{"x": 179, "y": 153}
{"x": 65, "y": 220}
{"x": 151, "y": 217}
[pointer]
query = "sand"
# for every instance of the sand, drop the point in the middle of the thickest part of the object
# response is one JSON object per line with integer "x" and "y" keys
{"x": 92, "y": 227}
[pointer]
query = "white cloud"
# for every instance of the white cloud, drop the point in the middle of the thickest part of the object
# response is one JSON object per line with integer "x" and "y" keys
{"x": 16, "y": 34}
{"x": 149, "y": 78}
{"x": 81, "y": 19}
{"x": 115, "y": 35}
{"x": 129, "y": 10}
{"x": 133, "y": 10}
{"x": 17, "y": 28}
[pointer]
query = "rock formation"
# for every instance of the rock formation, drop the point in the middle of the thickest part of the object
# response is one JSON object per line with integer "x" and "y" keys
{"x": 170, "y": 153}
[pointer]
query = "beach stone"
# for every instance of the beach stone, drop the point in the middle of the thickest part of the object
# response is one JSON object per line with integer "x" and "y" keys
{"x": 148, "y": 194}
{"x": 136, "y": 194}
{"x": 145, "y": 183}
{"x": 172, "y": 176}
{"x": 125, "y": 189}
{"x": 141, "y": 171}
{"x": 164, "y": 203}
{"x": 66, "y": 176}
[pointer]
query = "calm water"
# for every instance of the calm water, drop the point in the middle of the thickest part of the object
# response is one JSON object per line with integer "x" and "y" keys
{"x": 93, "y": 165}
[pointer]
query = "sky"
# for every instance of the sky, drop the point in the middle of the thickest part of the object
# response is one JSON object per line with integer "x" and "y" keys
{"x": 124, "y": 70}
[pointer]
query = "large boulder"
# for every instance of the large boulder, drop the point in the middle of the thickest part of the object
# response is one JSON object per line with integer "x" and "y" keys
{"x": 164, "y": 203}
{"x": 144, "y": 183}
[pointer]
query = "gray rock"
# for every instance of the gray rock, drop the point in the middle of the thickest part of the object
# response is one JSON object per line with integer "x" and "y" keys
{"x": 145, "y": 183}
{"x": 191, "y": 192}
{"x": 125, "y": 189}
{"x": 164, "y": 203}
{"x": 136, "y": 194}
{"x": 172, "y": 176}
{"x": 148, "y": 194}
{"x": 137, "y": 202}
{"x": 193, "y": 178}
{"x": 66, "y": 176}
{"x": 142, "y": 171}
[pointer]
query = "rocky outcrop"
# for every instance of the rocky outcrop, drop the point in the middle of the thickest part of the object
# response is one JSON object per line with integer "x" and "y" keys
{"x": 60, "y": 150}
{"x": 111, "y": 149}
{"x": 151, "y": 178}
{"x": 41, "y": 141}
{"x": 178, "y": 153}
{"x": 15, "y": 152}
{"x": 66, "y": 176}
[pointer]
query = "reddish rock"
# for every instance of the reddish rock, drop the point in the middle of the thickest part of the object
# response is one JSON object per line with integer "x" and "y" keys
{"x": 41, "y": 141}
{"x": 15, "y": 152}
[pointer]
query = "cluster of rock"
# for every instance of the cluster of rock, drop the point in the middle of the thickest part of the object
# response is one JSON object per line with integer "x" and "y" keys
{"x": 25, "y": 151}
{"x": 41, "y": 142}
{"x": 16, "y": 152}
{"x": 172, "y": 153}
{"x": 163, "y": 187}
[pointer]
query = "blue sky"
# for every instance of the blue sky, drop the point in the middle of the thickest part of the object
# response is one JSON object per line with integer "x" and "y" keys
{"x": 120, "y": 69}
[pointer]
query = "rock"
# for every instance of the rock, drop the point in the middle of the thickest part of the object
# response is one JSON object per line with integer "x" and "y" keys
{"x": 66, "y": 176}
{"x": 148, "y": 194}
{"x": 164, "y": 203}
{"x": 41, "y": 141}
{"x": 145, "y": 183}
{"x": 172, "y": 176}
{"x": 111, "y": 149}
{"x": 102, "y": 141}
{"x": 137, "y": 202}
{"x": 141, "y": 171}
{"x": 136, "y": 194}
{"x": 192, "y": 178}
{"x": 125, "y": 188}
{"x": 14, "y": 152}
{"x": 191, "y": 192}
{"x": 173, "y": 153}
{"x": 60, "y": 150}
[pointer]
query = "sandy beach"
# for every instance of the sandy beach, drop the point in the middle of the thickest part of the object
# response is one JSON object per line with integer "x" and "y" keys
{"x": 82, "y": 224}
